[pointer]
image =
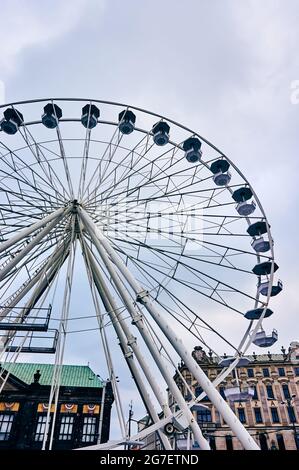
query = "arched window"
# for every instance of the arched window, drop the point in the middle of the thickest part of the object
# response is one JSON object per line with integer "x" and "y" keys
{"x": 229, "y": 442}
{"x": 263, "y": 442}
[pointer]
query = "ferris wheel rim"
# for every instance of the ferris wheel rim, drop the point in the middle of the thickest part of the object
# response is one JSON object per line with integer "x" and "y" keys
{"x": 144, "y": 131}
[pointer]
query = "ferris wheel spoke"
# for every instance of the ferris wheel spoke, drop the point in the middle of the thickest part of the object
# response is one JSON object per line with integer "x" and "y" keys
{"x": 84, "y": 162}
{"x": 127, "y": 171}
{"x": 143, "y": 332}
{"x": 160, "y": 169}
{"x": 110, "y": 149}
{"x": 24, "y": 192}
{"x": 200, "y": 258}
{"x": 65, "y": 163}
{"x": 107, "y": 252}
{"x": 56, "y": 216}
{"x": 28, "y": 246}
{"x": 51, "y": 176}
{"x": 42, "y": 277}
{"x": 192, "y": 285}
{"x": 126, "y": 338}
{"x": 153, "y": 181}
{"x": 36, "y": 178}
{"x": 129, "y": 174}
{"x": 179, "y": 237}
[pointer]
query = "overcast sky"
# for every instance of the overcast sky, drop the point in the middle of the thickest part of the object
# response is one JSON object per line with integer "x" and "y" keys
{"x": 223, "y": 67}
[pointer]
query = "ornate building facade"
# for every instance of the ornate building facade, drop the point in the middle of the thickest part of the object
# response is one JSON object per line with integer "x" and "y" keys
{"x": 270, "y": 412}
{"x": 82, "y": 414}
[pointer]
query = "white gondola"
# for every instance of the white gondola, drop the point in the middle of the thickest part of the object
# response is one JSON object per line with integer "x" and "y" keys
{"x": 263, "y": 340}
{"x": 90, "y": 116}
{"x": 238, "y": 394}
{"x": 221, "y": 176}
{"x": 245, "y": 205}
{"x": 222, "y": 179}
{"x": 257, "y": 230}
{"x": 51, "y": 115}
{"x": 160, "y": 132}
{"x": 246, "y": 208}
{"x": 127, "y": 121}
{"x": 11, "y": 121}
{"x": 192, "y": 150}
{"x": 260, "y": 245}
{"x": 263, "y": 288}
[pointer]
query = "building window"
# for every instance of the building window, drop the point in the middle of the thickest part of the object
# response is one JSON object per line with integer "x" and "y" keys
{"x": 204, "y": 416}
{"x": 281, "y": 372}
{"x": 241, "y": 414}
{"x": 234, "y": 373}
{"x": 221, "y": 390}
{"x": 198, "y": 391}
{"x": 229, "y": 442}
{"x": 89, "y": 429}
{"x": 274, "y": 414}
{"x": 280, "y": 442}
{"x": 258, "y": 415}
{"x": 263, "y": 442}
{"x": 212, "y": 442}
{"x": 255, "y": 395}
{"x": 250, "y": 372}
{"x": 6, "y": 420}
{"x": 291, "y": 413}
{"x": 40, "y": 427}
{"x": 286, "y": 391}
{"x": 296, "y": 371}
{"x": 66, "y": 428}
{"x": 270, "y": 392}
{"x": 266, "y": 372}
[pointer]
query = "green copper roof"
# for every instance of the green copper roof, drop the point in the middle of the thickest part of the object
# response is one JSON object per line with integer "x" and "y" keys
{"x": 71, "y": 376}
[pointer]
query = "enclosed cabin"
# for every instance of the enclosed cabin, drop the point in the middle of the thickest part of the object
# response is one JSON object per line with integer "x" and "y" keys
{"x": 192, "y": 150}
{"x": 256, "y": 313}
{"x": 237, "y": 393}
{"x": 90, "y": 116}
{"x": 160, "y": 132}
{"x": 126, "y": 121}
{"x": 12, "y": 120}
{"x": 220, "y": 169}
{"x": 259, "y": 243}
{"x": 263, "y": 340}
{"x": 263, "y": 271}
{"x": 51, "y": 115}
{"x": 245, "y": 205}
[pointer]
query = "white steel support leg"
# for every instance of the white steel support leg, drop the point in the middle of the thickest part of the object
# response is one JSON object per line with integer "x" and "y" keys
{"x": 126, "y": 338}
{"x": 142, "y": 296}
{"x": 28, "y": 230}
{"x": 56, "y": 378}
{"x": 47, "y": 278}
{"x": 7, "y": 307}
{"x": 46, "y": 281}
{"x": 31, "y": 245}
{"x": 127, "y": 335}
{"x": 138, "y": 321}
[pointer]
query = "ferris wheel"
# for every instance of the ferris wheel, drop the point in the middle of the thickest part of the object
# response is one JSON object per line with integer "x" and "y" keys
{"x": 175, "y": 242}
